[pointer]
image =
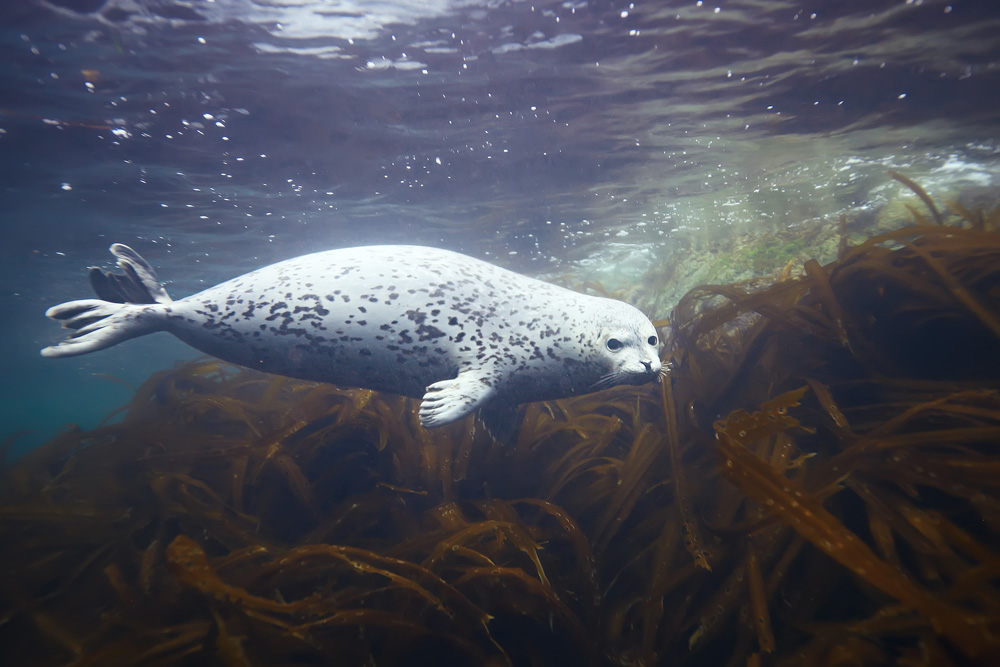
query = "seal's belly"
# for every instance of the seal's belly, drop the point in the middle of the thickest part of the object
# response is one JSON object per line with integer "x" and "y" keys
{"x": 324, "y": 350}
{"x": 397, "y": 328}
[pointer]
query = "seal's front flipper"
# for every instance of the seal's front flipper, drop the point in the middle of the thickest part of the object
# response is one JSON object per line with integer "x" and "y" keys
{"x": 450, "y": 400}
{"x": 501, "y": 419}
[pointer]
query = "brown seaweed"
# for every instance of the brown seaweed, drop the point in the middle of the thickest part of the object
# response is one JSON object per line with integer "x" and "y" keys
{"x": 826, "y": 444}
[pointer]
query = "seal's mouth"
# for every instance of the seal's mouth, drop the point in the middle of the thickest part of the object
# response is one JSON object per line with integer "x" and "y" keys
{"x": 651, "y": 376}
{"x": 620, "y": 377}
{"x": 641, "y": 377}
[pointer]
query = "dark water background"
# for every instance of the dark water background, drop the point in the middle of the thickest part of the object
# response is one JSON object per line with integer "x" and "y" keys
{"x": 575, "y": 140}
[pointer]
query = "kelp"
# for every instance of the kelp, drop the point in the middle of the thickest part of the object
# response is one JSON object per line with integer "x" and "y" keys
{"x": 816, "y": 481}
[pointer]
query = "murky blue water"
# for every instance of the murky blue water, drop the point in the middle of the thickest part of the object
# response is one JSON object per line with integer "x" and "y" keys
{"x": 573, "y": 140}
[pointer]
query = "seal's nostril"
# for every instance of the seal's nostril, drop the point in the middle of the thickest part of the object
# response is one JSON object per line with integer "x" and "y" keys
{"x": 648, "y": 365}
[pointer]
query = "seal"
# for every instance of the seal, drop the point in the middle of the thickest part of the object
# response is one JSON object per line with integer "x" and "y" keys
{"x": 462, "y": 334}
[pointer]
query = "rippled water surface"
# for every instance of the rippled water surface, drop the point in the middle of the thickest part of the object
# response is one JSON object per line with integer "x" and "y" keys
{"x": 574, "y": 140}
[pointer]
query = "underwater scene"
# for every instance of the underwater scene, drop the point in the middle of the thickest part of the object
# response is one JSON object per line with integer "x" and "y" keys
{"x": 683, "y": 347}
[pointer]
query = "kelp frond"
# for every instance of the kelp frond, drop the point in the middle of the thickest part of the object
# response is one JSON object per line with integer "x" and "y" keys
{"x": 815, "y": 481}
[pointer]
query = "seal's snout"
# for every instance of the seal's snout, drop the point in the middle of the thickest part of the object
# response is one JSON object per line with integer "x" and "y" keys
{"x": 648, "y": 371}
{"x": 652, "y": 369}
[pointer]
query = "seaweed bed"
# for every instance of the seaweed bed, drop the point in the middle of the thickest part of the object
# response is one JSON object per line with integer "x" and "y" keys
{"x": 818, "y": 482}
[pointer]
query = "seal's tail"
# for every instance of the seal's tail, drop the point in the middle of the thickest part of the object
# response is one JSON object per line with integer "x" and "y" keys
{"x": 129, "y": 306}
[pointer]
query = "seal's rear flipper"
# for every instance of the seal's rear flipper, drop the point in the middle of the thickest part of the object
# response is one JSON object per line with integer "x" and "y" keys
{"x": 138, "y": 284}
{"x": 120, "y": 313}
{"x": 99, "y": 324}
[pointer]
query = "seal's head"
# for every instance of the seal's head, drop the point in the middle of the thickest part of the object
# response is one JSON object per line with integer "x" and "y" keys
{"x": 626, "y": 345}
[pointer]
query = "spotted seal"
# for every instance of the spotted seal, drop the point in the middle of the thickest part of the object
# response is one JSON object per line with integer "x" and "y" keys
{"x": 460, "y": 333}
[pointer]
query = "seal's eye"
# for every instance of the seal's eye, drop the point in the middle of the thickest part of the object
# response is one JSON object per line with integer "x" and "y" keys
{"x": 651, "y": 340}
{"x": 614, "y": 344}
